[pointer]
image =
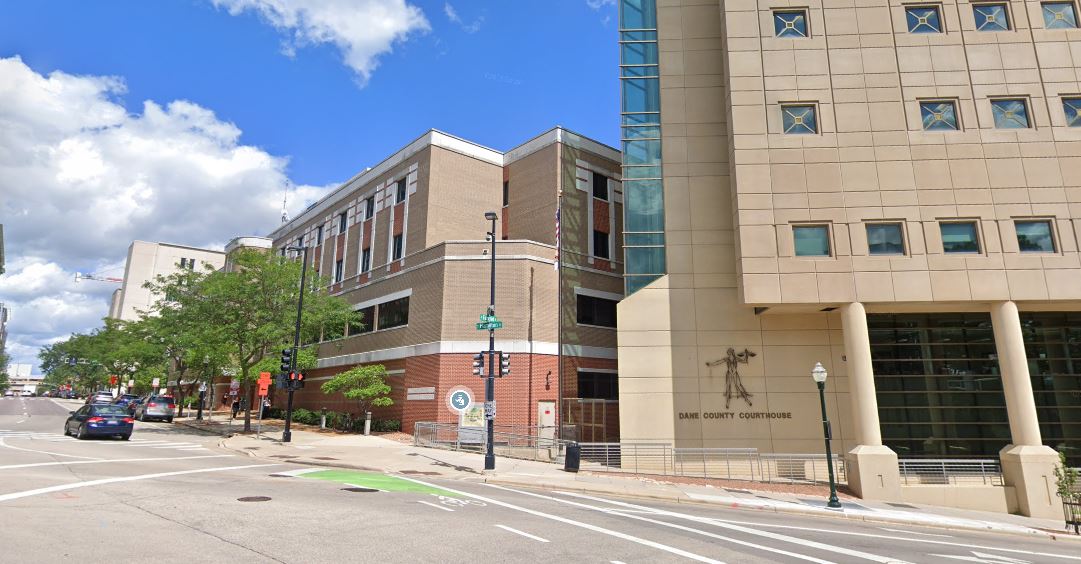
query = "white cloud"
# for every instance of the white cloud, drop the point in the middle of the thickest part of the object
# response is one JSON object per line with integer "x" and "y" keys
{"x": 80, "y": 178}
{"x": 598, "y": 4}
{"x": 453, "y": 16}
{"x": 362, "y": 30}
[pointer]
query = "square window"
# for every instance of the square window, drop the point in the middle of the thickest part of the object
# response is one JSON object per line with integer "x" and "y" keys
{"x": 400, "y": 195}
{"x": 600, "y": 186}
{"x": 960, "y": 237}
{"x": 885, "y": 239}
{"x": 1010, "y": 114}
{"x": 600, "y": 245}
{"x": 811, "y": 240}
{"x": 991, "y": 17}
{"x": 799, "y": 119}
{"x": 1059, "y": 15}
{"x": 1072, "y": 107}
{"x": 790, "y": 23}
{"x": 939, "y": 116}
{"x": 1034, "y": 236}
{"x": 397, "y": 252}
{"x": 923, "y": 19}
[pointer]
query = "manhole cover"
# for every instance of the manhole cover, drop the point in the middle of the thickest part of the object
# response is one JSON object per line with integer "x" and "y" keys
{"x": 359, "y": 490}
{"x": 254, "y": 498}
{"x": 324, "y": 458}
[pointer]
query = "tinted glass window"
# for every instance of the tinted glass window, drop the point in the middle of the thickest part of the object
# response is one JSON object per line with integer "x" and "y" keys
{"x": 885, "y": 239}
{"x": 596, "y": 311}
{"x": 939, "y": 116}
{"x": 598, "y": 385}
{"x": 397, "y": 247}
{"x": 394, "y": 313}
{"x": 400, "y": 196}
{"x": 811, "y": 240}
{"x": 369, "y": 207}
{"x": 991, "y": 17}
{"x": 1010, "y": 114}
{"x": 799, "y": 119}
{"x": 600, "y": 245}
{"x": 1034, "y": 236}
{"x": 366, "y": 323}
{"x": 600, "y": 186}
{"x": 366, "y": 260}
{"x": 923, "y": 19}
{"x": 960, "y": 238}
{"x": 790, "y": 23}
{"x": 109, "y": 410}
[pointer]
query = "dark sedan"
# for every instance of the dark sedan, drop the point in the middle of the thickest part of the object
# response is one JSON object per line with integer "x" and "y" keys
{"x": 99, "y": 420}
{"x": 124, "y": 399}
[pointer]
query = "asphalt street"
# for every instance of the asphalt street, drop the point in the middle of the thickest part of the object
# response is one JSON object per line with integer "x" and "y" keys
{"x": 172, "y": 495}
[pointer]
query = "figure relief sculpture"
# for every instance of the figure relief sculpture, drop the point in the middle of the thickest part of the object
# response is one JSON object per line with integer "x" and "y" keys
{"x": 733, "y": 385}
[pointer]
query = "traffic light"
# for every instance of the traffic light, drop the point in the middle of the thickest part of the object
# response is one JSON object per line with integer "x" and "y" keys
{"x": 287, "y": 360}
{"x": 478, "y": 364}
{"x": 504, "y": 364}
{"x": 298, "y": 382}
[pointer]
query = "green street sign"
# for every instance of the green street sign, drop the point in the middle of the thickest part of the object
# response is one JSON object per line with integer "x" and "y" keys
{"x": 484, "y": 318}
{"x": 488, "y": 325}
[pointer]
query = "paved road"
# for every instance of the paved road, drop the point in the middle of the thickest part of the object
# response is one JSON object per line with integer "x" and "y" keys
{"x": 61, "y": 498}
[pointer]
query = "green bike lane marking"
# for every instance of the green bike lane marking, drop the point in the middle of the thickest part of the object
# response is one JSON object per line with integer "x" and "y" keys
{"x": 374, "y": 480}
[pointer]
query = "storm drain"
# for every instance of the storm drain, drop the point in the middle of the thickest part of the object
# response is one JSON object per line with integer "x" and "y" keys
{"x": 324, "y": 458}
{"x": 359, "y": 490}
{"x": 254, "y": 498}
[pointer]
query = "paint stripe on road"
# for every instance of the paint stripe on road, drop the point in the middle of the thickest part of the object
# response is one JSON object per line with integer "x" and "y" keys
{"x": 523, "y": 533}
{"x": 429, "y": 504}
{"x": 298, "y": 472}
{"x": 5, "y": 445}
{"x": 101, "y": 461}
{"x": 572, "y": 522}
{"x": 747, "y": 530}
{"x": 63, "y": 487}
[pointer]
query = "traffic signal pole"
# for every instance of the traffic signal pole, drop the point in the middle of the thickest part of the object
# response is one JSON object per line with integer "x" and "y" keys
{"x": 489, "y": 382}
{"x": 287, "y": 435}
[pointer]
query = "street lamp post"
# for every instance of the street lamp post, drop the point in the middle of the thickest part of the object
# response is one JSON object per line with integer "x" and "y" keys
{"x": 489, "y": 381}
{"x": 819, "y": 374}
{"x": 202, "y": 388}
{"x": 287, "y": 435}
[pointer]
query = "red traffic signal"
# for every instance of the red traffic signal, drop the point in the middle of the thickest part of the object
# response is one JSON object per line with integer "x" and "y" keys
{"x": 112, "y": 380}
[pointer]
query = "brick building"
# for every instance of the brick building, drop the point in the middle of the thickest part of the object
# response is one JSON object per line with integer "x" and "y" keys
{"x": 404, "y": 242}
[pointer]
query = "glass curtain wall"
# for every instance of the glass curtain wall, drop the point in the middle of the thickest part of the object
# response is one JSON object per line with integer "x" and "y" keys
{"x": 938, "y": 385}
{"x": 1053, "y": 347}
{"x": 643, "y": 197}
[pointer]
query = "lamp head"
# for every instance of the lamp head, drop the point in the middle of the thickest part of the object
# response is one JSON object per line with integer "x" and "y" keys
{"x": 819, "y": 373}
{"x": 490, "y": 216}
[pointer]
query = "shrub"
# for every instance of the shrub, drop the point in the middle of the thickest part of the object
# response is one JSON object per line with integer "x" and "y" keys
{"x": 387, "y": 425}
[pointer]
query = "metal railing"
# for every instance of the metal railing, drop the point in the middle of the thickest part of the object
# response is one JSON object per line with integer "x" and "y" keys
{"x": 527, "y": 446}
{"x": 952, "y": 471}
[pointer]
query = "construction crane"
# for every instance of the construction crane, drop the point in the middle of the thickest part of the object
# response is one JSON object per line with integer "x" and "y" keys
{"x": 98, "y": 277}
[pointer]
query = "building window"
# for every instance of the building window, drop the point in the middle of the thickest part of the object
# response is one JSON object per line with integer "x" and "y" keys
{"x": 939, "y": 116}
{"x": 366, "y": 260}
{"x": 369, "y": 208}
{"x": 506, "y": 193}
{"x": 339, "y": 268}
{"x": 1010, "y": 114}
{"x": 187, "y": 264}
{"x": 790, "y": 23}
{"x": 811, "y": 240}
{"x": 923, "y": 19}
{"x": 600, "y": 245}
{"x": 1034, "y": 236}
{"x": 319, "y": 235}
{"x": 394, "y": 313}
{"x": 991, "y": 17}
{"x": 885, "y": 239}
{"x": 1072, "y": 108}
{"x": 283, "y": 251}
{"x": 1059, "y": 15}
{"x": 343, "y": 222}
{"x": 397, "y": 253}
{"x": 799, "y": 119}
{"x": 596, "y": 311}
{"x": 365, "y": 324}
{"x": 400, "y": 194}
{"x": 598, "y": 385}
{"x": 600, "y": 186}
{"x": 960, "y": 237}
{"x": 300, "y": 242}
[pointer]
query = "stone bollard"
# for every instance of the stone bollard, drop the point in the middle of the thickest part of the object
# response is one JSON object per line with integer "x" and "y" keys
{"x": 323, "y": 419}
{"x": 367, "y": 423}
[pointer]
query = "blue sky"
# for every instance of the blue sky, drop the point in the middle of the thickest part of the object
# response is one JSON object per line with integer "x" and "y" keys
{"x": 185, "y": 121}
{"x": 531, "y": 64}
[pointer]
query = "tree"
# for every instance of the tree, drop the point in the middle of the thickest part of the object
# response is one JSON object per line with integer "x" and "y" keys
{"x": 5, "y": 383}
{"x": 364, "y": 384}
{"x": 1066, "y": 480}
{"x": 248, "y": 312}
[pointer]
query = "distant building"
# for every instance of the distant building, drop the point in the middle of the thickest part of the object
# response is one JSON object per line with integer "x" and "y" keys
{"x": 3, "y": 326}
{"x": 149, "y": 260}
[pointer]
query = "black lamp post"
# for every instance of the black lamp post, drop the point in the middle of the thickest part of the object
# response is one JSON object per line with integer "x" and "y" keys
{"x": 819, "y": 374}
{"x": 287, "y": 435}
{"x": 489, "y": 380}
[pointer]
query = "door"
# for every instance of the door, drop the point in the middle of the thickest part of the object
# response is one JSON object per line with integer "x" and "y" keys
{"x": 546, "y": 419}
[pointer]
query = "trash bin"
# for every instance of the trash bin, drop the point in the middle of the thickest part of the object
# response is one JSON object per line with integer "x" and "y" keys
{"x": 573, "y": 458}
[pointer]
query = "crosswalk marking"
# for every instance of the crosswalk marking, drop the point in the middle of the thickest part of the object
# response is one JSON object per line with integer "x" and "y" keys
{"x": 138, "y": 443}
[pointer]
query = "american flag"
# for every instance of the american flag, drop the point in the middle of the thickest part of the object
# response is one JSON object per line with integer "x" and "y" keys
{"x": 557, "y": 239}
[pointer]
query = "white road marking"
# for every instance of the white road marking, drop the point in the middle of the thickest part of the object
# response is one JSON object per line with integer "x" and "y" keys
{"x": 670, "y": 525}
{"x": 915, "y": 533}
{"x": 436, "y": 506}
{"x": 523, "y": 533}
{"x": 104, "y": 460}
{"x": 21, "y": 420}
{"x": 750, "y": 531}
{"x": 72, "y": 486}
{"x": 983, "y": 558}
{"x": 5, "y": 445}
{"x": 594, "y": 528}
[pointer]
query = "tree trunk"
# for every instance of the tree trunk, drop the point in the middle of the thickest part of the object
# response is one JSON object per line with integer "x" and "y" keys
{"x": 244, "y": 399}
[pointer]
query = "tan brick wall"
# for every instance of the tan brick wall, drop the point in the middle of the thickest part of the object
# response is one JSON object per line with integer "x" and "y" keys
{"x": 461, "y": 190}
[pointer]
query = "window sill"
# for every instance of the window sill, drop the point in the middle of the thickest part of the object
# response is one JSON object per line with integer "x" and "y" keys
{"x": 594, "y": 326}
{"x": 362, "y": 334}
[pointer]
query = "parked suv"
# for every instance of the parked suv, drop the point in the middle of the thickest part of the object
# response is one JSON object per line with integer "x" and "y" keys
{"x": 99, "y": 398}
{"x": 161, "y": 408}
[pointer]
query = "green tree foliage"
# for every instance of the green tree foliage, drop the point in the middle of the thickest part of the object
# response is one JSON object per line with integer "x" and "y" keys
{"x": 5, "y": 383}
{"x": 364, "y": 384}
{"x": 1066, "y": 480}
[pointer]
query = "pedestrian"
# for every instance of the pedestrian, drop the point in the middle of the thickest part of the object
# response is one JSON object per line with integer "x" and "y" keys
{"x": 236, "y": 407}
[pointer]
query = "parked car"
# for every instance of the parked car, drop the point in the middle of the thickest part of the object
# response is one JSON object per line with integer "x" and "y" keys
{"x": 99, "y": 398}
{"x": 27, "y": 394}
{"x": 133, "y": 404}
{"x": 162, "y": 408}
{"x": 124, "y": 399}
{"x": 99, "y": 420}
{"x": 9, "y": 393}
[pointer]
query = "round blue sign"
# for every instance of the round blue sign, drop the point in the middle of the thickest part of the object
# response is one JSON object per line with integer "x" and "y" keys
{"x": 460, "y": 400}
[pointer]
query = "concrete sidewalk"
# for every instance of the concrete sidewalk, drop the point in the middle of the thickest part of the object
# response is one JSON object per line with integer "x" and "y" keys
{"x": 383, "y": 455}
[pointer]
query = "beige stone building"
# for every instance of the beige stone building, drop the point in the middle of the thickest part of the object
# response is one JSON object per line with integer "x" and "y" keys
{"x": 145, "y": 262}
{"x": 892, "y": 189}
{"x": 404, "y": 242}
